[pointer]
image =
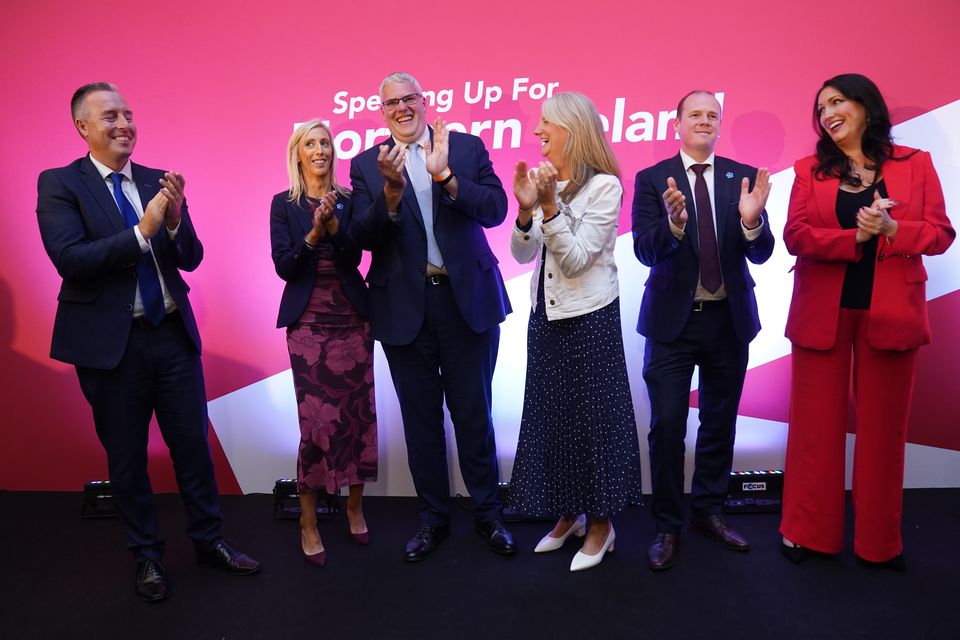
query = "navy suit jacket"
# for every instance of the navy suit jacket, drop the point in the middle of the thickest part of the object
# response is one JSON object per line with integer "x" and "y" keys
{"x": 674, "y": 264}
{"x": 96, "y": 254}
{"x": 399, "y": 248}
{"x": 297, "y": 264}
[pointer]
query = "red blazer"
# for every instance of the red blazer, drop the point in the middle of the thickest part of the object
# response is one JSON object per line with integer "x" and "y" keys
{"x": 898, "y": 309}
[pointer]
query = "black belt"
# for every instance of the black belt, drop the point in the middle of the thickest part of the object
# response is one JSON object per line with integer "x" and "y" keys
{"x": 141, "y": 322}
{"x": 436, "y": 279}
{"x": 707, "y": 305}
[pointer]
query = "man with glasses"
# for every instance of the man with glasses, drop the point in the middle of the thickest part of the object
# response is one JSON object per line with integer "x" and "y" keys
{"x": 421, "y": 202}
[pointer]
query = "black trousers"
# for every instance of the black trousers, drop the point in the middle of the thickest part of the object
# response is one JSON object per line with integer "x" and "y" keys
{"x": 709, "y": 341}
{"x": 160, "y": 372}
{"x": 448, "y": 360}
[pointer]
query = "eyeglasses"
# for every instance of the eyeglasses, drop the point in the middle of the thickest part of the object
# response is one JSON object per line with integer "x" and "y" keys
{"x": 410, "y": 99}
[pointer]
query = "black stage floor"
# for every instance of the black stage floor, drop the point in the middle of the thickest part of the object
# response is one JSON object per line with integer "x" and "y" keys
{"x": 63, "y": 577}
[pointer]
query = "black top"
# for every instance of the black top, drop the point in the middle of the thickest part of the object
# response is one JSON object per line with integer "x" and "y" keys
{"x": 858, "y": 282}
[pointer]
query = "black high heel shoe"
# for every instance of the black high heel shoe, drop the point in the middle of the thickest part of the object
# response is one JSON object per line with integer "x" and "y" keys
{"x": 794, "y": 553}
{"x": 896, "y": 563}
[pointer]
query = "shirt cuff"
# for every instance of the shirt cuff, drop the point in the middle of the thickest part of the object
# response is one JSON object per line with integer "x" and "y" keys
{"x": 675, "y": 230}
{"x": 172, "y": 234}
{"x": 751, "y": 234}
{"x": 144, "y": 245}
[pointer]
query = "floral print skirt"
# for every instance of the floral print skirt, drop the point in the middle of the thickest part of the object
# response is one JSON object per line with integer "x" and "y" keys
{"x": 331, "y": 355}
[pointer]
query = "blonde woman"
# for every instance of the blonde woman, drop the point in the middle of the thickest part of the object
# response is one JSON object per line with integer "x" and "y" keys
{"x": 578, "y": 457}
{"x": 324, "y": 309}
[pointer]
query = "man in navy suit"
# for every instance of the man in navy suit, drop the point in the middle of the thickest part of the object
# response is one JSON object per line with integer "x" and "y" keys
{"x": 420, "y": 205}
{"x": 119, "y": 234}
{"x": 697, "y": 219}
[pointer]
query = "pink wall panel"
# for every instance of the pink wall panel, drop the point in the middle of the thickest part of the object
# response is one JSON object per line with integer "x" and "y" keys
{"x": 217, "y": 86}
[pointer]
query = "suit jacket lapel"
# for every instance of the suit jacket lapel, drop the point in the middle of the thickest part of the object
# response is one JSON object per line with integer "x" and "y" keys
{"x": 825, "y": 195}
{"x": 300, "y": 211}
{"x": 98, "y": 188}
{"x": 409, "y": 195}
{"x": 146, "y": 188}
{"x": 722, "y": 196}
{"x": 898, "y": 176}
{"x": 675, "y": 171}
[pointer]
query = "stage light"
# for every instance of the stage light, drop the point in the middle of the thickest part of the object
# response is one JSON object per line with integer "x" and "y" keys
{"x": 286, "y": 501}
{"x": 96, "y": 501}
{"x": 758, "y": 491}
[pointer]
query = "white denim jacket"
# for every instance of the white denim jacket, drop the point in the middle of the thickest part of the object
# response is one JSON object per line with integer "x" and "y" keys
{"x": 580, "y": 273}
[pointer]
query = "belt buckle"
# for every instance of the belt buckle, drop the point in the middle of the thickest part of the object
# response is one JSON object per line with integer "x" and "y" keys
{"x": 434, "y": 279}
{"x": 697, "y": 305}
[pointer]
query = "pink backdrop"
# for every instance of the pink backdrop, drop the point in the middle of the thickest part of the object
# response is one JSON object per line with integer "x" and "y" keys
{"x": 216, "y": 88}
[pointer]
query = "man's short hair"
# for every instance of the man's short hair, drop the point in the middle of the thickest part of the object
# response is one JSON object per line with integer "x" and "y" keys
{"x": 692, "y": 93}
{"x": 76, "y": 102}
{"x": 400, "y": 76}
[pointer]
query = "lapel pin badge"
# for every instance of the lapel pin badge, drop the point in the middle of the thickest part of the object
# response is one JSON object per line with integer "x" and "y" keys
{"x": 339, "y": 205}
{"x": 729, "y": 174}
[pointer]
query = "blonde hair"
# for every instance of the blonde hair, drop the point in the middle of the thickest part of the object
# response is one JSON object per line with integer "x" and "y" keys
{"x": 298, "y": 187}
{"x": 587, "y": 152}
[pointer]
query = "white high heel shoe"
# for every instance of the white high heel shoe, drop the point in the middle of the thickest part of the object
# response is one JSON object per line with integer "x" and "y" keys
{"x": 583, "y": 561}
{"x": 549, "y": 543}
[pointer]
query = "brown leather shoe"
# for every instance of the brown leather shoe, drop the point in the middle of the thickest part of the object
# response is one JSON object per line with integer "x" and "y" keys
{"x": 663, "y": 552}
{"x": 714, "y": 526}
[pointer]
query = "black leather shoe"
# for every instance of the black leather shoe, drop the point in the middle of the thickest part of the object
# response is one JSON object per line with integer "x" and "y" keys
{"x": 424, "y": 541}
{"x": 499, "y": 540}
{"x": 151, "y": 582}
{"x": 714, "y": 526}
{"x": 663, "y": 552}
{"x": 223, "y": 557}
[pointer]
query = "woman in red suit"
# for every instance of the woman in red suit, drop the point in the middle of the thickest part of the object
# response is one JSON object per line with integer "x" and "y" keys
{"x": 862, "y": 212}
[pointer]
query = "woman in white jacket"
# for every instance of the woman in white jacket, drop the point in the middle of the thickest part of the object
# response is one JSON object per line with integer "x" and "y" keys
{"x": 578, "y": 457}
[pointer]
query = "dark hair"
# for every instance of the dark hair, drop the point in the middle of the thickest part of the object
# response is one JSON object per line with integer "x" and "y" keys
{"x": 876, "y": 143}
{"x": 694, "y": 92}
{"x": 78, "y": 96}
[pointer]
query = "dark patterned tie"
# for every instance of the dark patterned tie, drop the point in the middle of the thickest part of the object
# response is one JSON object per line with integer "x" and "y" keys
{"x": 150, "y": 293}
{"x": 709, "y": 256}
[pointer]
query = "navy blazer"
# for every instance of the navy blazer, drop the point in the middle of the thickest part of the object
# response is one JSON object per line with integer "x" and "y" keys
{"x": 290, "y": 222}
{"x": 399, "y": 248}
{"x": 95, "y": 253}
{"x": 674, "y": 264}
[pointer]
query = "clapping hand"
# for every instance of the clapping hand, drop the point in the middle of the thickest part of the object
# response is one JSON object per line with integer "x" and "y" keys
{"x": 438, "y": 153}
{"x": 753, "y": 202}
{"x": 546, "y": 183}
{"x": 875, "y": 220}
{"x": 676, "y": 204}
{"x": 390, "y": 162}
{"x": 525, "y": 190}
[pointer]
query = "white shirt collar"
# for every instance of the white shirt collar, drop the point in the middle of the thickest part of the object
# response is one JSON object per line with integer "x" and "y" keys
{"x": 424, "y": 137}
{"x": 687, "y": 160}
{"x": 105, "y": 171}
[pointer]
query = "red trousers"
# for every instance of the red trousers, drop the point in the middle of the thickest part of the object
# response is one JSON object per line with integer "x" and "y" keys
{"x": 813, "y": 494}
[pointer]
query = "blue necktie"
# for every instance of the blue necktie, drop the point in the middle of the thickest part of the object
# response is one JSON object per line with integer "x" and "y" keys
{"x": 423, "y": 187}
{"x": 150, "y": 293}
